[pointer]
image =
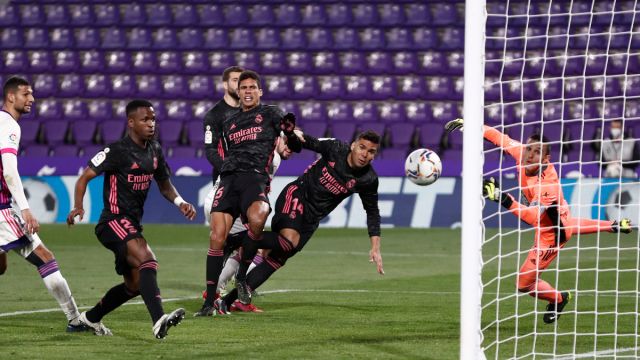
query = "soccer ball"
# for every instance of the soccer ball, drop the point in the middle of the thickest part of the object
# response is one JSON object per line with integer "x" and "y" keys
{"x": 423, "y": 167}
{"x": 42, "y": 200}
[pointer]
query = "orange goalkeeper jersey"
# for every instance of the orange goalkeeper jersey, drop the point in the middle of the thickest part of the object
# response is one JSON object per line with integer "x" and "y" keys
{"x": 540, "y": 191}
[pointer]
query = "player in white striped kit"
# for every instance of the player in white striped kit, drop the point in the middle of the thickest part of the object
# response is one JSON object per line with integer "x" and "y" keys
{"x": 18, "y": 226}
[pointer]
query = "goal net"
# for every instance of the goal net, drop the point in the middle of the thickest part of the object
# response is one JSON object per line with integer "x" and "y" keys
{"x": 568, "y": 71}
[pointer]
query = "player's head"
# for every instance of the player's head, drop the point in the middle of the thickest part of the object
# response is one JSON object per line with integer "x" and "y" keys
{"x": 141, "y": 119}
{"x": 230, "y": 78}
{"x": 615, "y": 129}
{"x": 364, "y": 149}
{"x": 535, "y": 153}
{"x": 18, "y": 96}
{"x": 282, "y": 148}
{"x": 249, "y": 89}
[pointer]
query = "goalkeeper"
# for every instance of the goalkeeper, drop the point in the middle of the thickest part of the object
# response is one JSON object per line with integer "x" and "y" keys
{"x": 545, "y": 208}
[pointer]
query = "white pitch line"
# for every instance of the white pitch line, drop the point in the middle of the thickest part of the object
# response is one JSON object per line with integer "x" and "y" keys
{"x": 359, "y": 253}
{"x": 596, "y": 354}
{"x": 277, "y": 291}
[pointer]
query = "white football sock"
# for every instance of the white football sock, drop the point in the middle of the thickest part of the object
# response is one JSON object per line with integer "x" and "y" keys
{"x": 59, "y": 289}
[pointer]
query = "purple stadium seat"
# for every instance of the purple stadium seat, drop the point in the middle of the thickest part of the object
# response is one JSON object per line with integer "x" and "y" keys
{"x": 106, "y": 14}
{"x": 451, "y": 156}
{"x": 339, "y": 14}
{"x": 179, "y": 111}
{"x": 75, "y": 110}
{"x": 596, "y": 64}
{"x": 55, "y": 131}
{"x": 445, "y": 111}
{"x": 404, "y": 62}
{"x": 174, "y": 87}
{"x": 159, "y": 108}
{"x": 398, "y": 155}
{"x": 339, "y": 113}
{"x": 277, "y": 87}
{"x": 144, "y": 62}
{"x": 201, "y": 107}
{"x": 40, "y": 61}
{"x": 165, "y": 39}
{"x": 352, "y": 62}
{"x": 379, "y": 62}
{"x": 325, "y": 62}
{"x": 419, "y": 112}
{"x": 8, "y": 15}
{"x": 268, "y": 38}
{"x": 399, "y": 39}
{"x": 115, "y": 38}
{"x": 61, "y": 38}
{"x": 248, "y": 60}
{"x": 81, "y": 15}
{"x": 365, "y": 112}
{"x": 29, "y": 131}
{"x": 201, "y": 87}
{"x": 139, "y": 38}
{"x": 218, "y": 61}
{"x": 215, "y": 39}
{"x": 36, "y": 38}
{"x": 412, "y": 87}
{"x": 87, "y": 38}
{"x": 432, "y": 62}
{"x": 64, "y": 150}
{"x": 331, "y": 88}
{"x": 372, "y": 39}
{"x": 287, "y": 14}
{"x": 293, "y": 39}
{"x": 343, "y": 131}
{"x": 56, "y": 14}
{"x": 304, "y": 87}
{"x": 418, "y": 14}
{"x": 444, "y": 14}
{"x": 89, "y": 151}
{"x": 133, "y": 14}
{"x": 242, "y": 38}
{"x": 383, "y": 88}
{"x": 312, "y": 111}
{"x": 32, "y": 15}
{"x": 11, "y": 38}
{"x": 273, "y": 62}
{"x": 372, "y": 125}
{"x": 313, "y": 14}
{"x": 210, "y": 15}
{"x": 235, "y": 15}
{"x": 196, "y": 63}
{"x": 190, "y": 39}
{"x": 364, "y": 14}
{"x": 299, "y": 62}
{"x": 289, "y": 106}
{"x": 100, "y": 110}
{"x": 185, "y": 152}
{"x": 169, "y": 132}
{"x": 37, "y": 150}
{"x": 185, "y": 14}
{"x": 123, "y": 86}
{"x": 112, "y": 130}
{"x": 357, "y": 87}
{"x": 71, "y": 85}
{"x": 149, "y": 86}
{"x": 320, "y": 39}
{"x": 315, "y": 129}
{"x": 45, "y": 85}
{"x": 613, "y": 109}
{"x": 401, "y": 134}
{"x": 83, "y": 132}
{"x": 158, "y": 14}
{"x": 346, "y": 39}
{"x": 66, "y": 61}
{"x": 195, "y": 134}
{"x": 262, "y": 14}
{"x": 97, "y": 85}
{"x": 452, "y": 38}
{"x": 431, "y": 134}
{"x": 391, "y": 14}
{"x": 169, "y": 62}
{"x": 632, "y": 87}
{"x": 118, "y": 62}
{"x": 455, "y": 62}
{"x": 392, "y": 112}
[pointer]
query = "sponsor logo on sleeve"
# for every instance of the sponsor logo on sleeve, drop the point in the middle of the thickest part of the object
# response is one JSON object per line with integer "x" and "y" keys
{"x": 99, "y": 158}
{"x": 208, "y": 135}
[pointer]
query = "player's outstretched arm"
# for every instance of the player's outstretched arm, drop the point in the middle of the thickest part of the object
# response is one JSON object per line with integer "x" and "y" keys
{"x": 14, "y": 184}
{"x": 374, "y": 254}
{"x": 170, "y": 193}
{"x": 80, "y": 189}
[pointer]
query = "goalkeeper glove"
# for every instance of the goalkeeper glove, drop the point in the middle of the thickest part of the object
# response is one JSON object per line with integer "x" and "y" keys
{"x": 452, "y": 125}
{"x": 491, "y": 190}
{"x": 288, "y": 123}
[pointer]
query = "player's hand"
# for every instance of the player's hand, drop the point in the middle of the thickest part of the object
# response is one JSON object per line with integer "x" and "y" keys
{"x": 75, "y": 212}
{"x": 299, "y": 134}
{"x": 376, "y": 258}
{"x": 491, "y": 189}
{"x": 452, "y": 125}
{"x": 288, "y": 123}
{"x": 30, "y": 223}
{"x": 188, "y": 210}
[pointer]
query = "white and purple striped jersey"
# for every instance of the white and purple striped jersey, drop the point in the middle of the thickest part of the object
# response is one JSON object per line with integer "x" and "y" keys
{"x": 9, "y": 142}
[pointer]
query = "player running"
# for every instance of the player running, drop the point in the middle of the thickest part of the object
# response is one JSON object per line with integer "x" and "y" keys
{"x": 18, "y": 226}
{"x": 129, "y": 166}
{"x": 343, "y": 169}
{"x": 546, "y": 209}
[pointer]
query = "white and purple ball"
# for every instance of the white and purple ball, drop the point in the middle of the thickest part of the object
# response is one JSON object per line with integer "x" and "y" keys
{"x": 423, "y": 167}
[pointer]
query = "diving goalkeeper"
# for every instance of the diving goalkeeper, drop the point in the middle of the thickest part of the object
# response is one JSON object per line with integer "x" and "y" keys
{"x": 544, "y": 208}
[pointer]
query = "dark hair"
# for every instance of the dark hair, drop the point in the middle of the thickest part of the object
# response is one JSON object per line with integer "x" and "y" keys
{"x": 249, "y": 74}
{"x": 544, "y": 140}
{"x": 134, "y": 105}
{"x": 369, "y": 135}
{"x": 12, "y": 84}
{"x": 227, "y": 72}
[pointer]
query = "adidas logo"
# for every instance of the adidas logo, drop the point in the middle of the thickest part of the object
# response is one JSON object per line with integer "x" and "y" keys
{"x": 135, "y": 166}
{"x": 233, "y": 126}
{"x": 332, "y": 163}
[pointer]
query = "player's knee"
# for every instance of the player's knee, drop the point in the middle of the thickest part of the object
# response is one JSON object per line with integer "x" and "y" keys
{"x": 525, "y": 285}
